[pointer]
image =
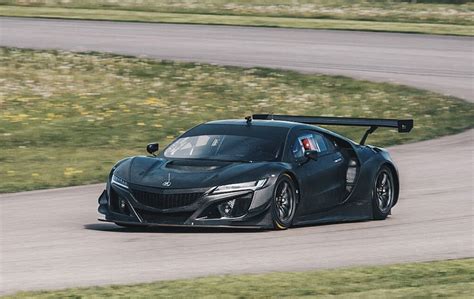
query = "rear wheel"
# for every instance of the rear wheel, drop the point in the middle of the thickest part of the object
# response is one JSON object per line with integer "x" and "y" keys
{"x": 383, "y": 193}
{"x": 284, "y": 202}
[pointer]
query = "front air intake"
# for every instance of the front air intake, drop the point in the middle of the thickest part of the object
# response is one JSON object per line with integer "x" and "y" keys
{"x": 165, "y": 201}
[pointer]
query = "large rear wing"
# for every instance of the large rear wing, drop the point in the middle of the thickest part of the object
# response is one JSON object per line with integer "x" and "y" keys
{"x": 402, "y": 125}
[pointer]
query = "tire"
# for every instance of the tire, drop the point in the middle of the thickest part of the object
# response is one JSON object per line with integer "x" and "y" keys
{"x": 283, "y": 202}
{"x": 383, "y": 193}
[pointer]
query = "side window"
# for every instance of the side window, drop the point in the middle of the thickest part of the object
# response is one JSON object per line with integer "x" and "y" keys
{"x": 310, "y": 141}
{"x": 321, "y": 143}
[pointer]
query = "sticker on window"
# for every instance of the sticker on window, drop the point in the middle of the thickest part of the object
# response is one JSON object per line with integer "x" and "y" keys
{"x": 308, "y": 143}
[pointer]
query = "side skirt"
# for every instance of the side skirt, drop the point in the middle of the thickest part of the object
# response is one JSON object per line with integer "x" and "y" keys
{"x": 348, "y": 212}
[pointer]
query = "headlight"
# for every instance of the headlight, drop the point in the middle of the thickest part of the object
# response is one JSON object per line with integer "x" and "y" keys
{"x": 241, "y": 186}
{"x": 119, "y": 181}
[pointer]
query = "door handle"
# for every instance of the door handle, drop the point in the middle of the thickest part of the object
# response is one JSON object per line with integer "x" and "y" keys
{"x": 337, "y": 160}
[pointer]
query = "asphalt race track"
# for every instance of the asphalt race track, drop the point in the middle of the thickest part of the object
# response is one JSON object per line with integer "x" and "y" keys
{"x": 51, "y": 238}
{"x": 439, "y": 63}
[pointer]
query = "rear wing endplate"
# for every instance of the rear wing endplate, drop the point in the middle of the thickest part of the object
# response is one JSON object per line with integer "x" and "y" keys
{"x": 402, "y": 125}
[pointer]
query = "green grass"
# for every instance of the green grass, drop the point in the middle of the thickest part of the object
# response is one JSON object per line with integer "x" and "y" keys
{"x": 454, "y": 279}
{"x": 445, "y": 12}
{"x": 399, "y": 16}
{"x": 65, "y": 118}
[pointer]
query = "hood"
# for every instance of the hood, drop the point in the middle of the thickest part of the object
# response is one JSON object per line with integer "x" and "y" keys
{"x": 187, "y": 174}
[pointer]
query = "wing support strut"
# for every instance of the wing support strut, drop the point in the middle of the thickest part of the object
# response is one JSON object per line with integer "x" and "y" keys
{"x": 367, "y": 133}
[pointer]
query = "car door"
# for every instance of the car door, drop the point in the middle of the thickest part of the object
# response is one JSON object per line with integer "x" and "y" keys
{"x": 322, "y": 179}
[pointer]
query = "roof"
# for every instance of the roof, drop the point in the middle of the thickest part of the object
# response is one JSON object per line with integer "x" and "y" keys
{"x": 263, "y": 123}
{"x": 278, "y": 124}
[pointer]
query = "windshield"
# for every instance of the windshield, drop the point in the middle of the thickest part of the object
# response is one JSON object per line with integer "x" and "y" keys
{"x": 231, "y": 146}
{"x": 224, "y": 147}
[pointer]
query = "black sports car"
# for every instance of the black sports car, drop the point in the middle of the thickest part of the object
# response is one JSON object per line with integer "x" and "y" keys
{"x": 266, "y": 171}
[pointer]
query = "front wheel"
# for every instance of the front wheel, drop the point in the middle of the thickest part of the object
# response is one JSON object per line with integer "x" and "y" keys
{"x": 284, "y": 202}
{"x": 383, "y": 193}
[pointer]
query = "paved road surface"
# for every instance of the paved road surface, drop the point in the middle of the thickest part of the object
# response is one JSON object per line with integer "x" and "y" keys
{"x": 439, "y": 63}
{"x": 51, "y": 239}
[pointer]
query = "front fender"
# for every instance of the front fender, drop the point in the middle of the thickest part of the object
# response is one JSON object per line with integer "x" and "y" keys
{"x": 124, "y": 171}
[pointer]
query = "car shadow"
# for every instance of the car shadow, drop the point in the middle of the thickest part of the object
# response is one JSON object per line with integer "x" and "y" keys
{"x": 110, "y": 227}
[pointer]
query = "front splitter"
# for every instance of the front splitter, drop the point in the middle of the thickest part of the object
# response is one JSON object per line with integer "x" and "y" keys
{"x": 185, "y": 225}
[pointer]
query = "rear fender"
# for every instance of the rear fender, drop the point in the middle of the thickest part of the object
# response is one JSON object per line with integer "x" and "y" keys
{"x": 369, "y": 169}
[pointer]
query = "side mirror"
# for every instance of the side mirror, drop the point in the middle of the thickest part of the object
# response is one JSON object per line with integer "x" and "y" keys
{"x": 313, "y": 155}
{"x": 152, "y": 148}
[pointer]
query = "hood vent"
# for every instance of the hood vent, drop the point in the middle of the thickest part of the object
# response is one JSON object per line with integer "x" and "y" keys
{"x": 192, "y": 166}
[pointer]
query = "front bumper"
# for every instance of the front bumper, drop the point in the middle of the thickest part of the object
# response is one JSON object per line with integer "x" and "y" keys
{"x": 126, "y": 206}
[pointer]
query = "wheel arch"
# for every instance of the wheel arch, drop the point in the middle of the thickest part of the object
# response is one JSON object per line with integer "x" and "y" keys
{"x": 297, "y": 184}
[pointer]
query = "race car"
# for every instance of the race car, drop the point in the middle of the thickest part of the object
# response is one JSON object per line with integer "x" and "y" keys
{"x": 265, "y": 171}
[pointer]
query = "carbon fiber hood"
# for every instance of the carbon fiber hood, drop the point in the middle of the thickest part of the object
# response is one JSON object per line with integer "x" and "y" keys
{"x": 184, "y": 174}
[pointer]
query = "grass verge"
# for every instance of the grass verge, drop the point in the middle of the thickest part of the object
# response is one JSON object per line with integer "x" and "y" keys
{"x": 454, "y": 278}
{"x": 240, "y": 20}
{"x": 65, "y": 118}
{"x": 421, "y": 11}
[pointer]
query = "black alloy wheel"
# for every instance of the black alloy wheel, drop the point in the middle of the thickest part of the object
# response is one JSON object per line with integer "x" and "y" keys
{"x": 284, "y": 202}
{"x": 383, "y": 193}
